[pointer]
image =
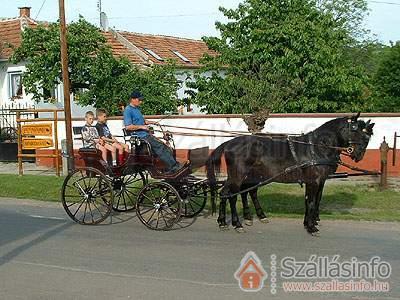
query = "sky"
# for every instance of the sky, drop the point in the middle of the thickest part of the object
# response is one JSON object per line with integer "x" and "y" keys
{"x": 182, "y": 18}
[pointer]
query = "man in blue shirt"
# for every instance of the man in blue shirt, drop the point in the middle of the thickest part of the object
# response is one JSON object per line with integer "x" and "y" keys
{"x": 134, "y": 121}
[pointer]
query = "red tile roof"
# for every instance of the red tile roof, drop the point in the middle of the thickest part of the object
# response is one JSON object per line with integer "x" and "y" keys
{"x": 120, "y": 50}
{"x": 10, "y": 34}
{"x": 193, "y": 50}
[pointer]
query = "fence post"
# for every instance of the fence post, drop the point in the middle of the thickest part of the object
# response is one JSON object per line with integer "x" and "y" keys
{"x": 19, "y": 130}
{"x": 384, "y": 148}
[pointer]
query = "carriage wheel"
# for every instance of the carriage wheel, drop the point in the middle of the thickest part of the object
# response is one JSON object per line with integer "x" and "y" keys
{"x": 194, "y": 201}
{"x": 126, "y": 190}
{"x": 158, "y": 206}
{"x": 87, "y": 196}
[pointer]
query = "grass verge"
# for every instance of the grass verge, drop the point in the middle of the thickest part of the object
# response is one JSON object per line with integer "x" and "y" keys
{"x": 340, "y": 200}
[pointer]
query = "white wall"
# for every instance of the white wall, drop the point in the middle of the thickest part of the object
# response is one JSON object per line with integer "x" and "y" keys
{"x": 5, "y": 68}
{"x": 384, "y": 127}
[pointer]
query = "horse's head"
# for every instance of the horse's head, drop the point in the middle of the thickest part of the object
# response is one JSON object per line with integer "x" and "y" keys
{"x": 357, "y": 134}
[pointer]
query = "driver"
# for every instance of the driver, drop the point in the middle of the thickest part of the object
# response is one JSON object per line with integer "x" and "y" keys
{"x": 134, "y": 121}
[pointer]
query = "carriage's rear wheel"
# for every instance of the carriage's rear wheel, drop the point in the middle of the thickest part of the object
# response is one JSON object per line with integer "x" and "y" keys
{"x": 126, "y": 190}
{"x": 158, "y": 206}
{"x": 194, "y": 200}
{"x": 87, "y": 196}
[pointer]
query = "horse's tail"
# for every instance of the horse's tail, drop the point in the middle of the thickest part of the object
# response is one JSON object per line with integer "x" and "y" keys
{"x": 213, "y": 165}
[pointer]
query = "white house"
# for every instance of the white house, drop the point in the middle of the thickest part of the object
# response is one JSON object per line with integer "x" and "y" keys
{"x": 141, "y": 49}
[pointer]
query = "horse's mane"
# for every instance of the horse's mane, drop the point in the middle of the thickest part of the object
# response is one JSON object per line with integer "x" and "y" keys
{"x": 334, "y": 124}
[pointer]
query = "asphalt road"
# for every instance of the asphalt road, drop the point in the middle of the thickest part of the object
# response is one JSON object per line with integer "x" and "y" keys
{"x": 44, "y": 255}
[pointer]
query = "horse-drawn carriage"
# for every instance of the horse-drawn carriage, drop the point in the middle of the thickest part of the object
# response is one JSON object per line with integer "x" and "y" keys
{"x": 90, "y": 193}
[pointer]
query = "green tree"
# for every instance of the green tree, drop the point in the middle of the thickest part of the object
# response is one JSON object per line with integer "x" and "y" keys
{"x": 387, "y": 81}
{"x": 96, "y": 76}
{"x": 287, "y": 56}
{"x": 114, "y": 80}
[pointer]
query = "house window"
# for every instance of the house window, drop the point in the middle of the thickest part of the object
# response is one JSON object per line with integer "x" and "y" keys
{"x": 181, "y": 56}
{"x": 15, "y": 85}
{"x": 152, "y": 53}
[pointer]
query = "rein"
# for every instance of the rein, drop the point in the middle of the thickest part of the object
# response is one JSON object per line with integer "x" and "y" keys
{"x": 347, "y": 150}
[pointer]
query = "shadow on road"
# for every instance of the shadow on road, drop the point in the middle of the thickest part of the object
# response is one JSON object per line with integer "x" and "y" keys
{"x": 27, "y": 226}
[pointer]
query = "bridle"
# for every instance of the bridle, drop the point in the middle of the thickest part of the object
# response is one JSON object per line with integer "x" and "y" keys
{"x": 347, "y": 151}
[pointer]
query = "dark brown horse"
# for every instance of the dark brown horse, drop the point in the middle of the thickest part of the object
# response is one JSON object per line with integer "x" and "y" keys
{"x": 308, "y": 159}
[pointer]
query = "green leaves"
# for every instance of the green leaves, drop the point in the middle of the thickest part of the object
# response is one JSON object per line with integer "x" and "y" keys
{"x": 96, "y": 77}
{"x": 387, "y": 80}
{"x": 285, "y": 56}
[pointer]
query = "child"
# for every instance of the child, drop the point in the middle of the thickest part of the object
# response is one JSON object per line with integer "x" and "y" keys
{"x": 111, "y": 143}
{"x": 90, "y": 136}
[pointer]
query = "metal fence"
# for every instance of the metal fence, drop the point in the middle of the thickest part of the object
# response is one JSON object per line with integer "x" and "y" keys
{"x": 8, "y": 115}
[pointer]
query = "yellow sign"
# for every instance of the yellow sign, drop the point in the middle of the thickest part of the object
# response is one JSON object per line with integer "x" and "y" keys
{"x": 28, "y": 143}
{"x": 38, "y": 129}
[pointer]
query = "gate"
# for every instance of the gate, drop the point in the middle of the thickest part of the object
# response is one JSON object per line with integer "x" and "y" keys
{"x": 8, "y": 129}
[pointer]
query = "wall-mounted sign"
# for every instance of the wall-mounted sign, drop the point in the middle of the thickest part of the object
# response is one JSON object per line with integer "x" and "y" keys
{"x": 38, "y": 129}
{"x": 32, "y": 143}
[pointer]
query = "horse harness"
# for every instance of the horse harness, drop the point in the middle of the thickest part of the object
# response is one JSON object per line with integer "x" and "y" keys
{"x": 302, "y": 165}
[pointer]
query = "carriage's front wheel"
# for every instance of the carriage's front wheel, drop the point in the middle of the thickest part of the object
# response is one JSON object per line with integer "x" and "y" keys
{"x": 87, "y": 196}
{"x": 159, "y": 206}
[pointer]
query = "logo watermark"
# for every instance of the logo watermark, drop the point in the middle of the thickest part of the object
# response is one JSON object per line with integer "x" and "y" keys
{"x": 250, "y": 274}
{"x": 315, "y": 274}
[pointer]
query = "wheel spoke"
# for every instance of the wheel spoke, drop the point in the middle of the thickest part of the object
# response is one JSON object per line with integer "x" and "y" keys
{"x": 123, "y": 197}
{"x": 91, "y": 213}
{"x": 79, "y": 207}
{"x": 84, "y": 214}
{"x": 191, "y": 206}
{"x": 151, "y": 215}
{"x": 146, "y": 211}
{"x": 162, "y": 215}
{"x": 97, "y": 208}
{"x": 158, "y": 218}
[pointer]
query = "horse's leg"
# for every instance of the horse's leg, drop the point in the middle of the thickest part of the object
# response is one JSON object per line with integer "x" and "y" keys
{"x": 235, "y": 218}
{"x": 260, "y": 213}
{"x": 318, "y": 200}
{"x": 248, "y": 218}
{"x": 306, "y": 195}
{"x": 222, "y": 208}
{"x": 311, "y": 195}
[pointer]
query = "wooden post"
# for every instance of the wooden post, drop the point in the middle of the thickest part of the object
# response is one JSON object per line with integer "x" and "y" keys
{"x": 19, "y": 128}
{"x": 66, "y": 84}
{"x": 56, "y": 143}
{"x": 384, "y": 148}
{"x": 395, "y": 148}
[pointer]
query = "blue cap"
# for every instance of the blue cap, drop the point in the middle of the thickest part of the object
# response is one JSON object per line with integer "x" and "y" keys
{"x": 137, "y": 94}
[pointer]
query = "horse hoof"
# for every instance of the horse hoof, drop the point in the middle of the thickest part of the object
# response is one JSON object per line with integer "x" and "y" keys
{"x": 239, "y": 229}
{"x": 248, "y": 222}
{"x": 264, "y": 220}
{"x": 223, "y": 227}
{"x": 316, "y": 234}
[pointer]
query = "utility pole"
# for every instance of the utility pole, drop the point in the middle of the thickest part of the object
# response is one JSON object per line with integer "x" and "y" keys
{"x": 66, "y": 84}
{"x": 99, "y": 7}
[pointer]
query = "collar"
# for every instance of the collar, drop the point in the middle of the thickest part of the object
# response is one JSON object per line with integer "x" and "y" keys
{"x": 137, "y": 107}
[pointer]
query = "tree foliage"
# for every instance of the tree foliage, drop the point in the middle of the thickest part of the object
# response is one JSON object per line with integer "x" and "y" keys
{"x": 288, "y": 56}
{"x": 96, "y": 76}
{"x": 387, "y": 80}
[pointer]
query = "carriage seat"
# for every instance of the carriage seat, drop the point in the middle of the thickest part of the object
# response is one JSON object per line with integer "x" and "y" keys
{"x": 84, "y": 151}
{"x": 138, "y": 145}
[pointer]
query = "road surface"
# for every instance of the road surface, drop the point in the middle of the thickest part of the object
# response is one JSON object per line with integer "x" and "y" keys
{"x": 44, "y": 255}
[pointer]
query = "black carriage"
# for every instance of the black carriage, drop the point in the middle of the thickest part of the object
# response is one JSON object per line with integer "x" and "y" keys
{"x": 89, "y": 194}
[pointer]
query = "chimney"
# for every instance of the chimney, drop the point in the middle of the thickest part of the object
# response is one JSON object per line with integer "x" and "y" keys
{"x": 24, "y": 12}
